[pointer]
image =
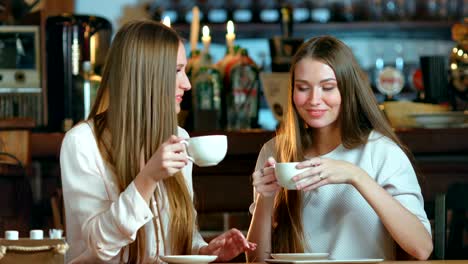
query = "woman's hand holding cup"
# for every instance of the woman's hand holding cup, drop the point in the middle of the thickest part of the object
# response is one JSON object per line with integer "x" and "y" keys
{"x": 168, "y": 159}
{"x": 264, "y": 180}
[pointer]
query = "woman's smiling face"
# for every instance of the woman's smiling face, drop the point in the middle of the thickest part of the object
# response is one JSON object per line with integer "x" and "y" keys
{"x": 316, "y": 94}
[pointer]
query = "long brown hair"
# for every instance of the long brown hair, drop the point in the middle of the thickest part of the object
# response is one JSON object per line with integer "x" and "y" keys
{"x": 132, "y": 114}
{"x": 359, "y": 115}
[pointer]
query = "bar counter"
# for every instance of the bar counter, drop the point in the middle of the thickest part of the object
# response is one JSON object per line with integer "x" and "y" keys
{"x": 419, "y": 141}
{"x": 441, "y": 159}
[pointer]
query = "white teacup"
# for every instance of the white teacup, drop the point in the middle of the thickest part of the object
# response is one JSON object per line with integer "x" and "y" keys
{"x": 285, "y": 171}
{"x": 206, "y": 150}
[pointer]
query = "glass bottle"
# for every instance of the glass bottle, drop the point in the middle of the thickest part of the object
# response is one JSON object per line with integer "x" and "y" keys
{"x": 242, "y": 94}
{"x": 206, "y": 96}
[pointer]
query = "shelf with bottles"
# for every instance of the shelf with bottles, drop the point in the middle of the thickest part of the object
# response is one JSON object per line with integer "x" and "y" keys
{"x": 431, "y": 30}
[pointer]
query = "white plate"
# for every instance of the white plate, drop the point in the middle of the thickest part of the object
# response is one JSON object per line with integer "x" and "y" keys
{"x": 317, "y": 261}
{"x": 188, "y": 258}
{"x": 299, "y": 256}
{"x": 440, "y": 120}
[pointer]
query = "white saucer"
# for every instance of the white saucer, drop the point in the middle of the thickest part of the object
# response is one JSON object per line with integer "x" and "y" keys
{"x": 188, "y": 258}
{"x": 317, "y": 261}
{"x": 299, "y": 256}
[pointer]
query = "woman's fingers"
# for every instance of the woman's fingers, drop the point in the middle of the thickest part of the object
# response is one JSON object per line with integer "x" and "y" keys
{"x": 264, "y": 180}
{"x": 314, "y": 162}
{"x": 270, "y": 162}
{"x": 316, "y": 185}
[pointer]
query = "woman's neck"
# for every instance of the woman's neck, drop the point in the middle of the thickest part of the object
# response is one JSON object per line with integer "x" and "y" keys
{"x": 324, "y": 140}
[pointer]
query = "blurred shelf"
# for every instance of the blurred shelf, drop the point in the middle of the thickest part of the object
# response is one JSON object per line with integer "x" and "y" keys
{"x": 433, "y": 30}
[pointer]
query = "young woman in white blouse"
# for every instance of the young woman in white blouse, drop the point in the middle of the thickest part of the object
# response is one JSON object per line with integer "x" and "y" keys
{"x": 127, "y": 182}
{"x": 360, "y": 193}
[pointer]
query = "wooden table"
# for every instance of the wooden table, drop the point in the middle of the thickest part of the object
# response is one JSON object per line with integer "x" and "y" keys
{"x": 404, "y": 262}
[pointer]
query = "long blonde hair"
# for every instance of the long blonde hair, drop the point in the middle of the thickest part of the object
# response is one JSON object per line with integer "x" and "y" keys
{"x": 359, "y": 115}
{"x": 132, "y": 114}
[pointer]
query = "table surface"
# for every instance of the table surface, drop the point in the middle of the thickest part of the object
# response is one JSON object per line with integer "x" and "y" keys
{"x": 404, "y": 262}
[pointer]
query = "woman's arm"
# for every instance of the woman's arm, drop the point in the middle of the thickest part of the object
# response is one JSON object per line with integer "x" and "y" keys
{"x": 405, "y": 228}
{"x": 265, "y": 189}
{"x": 394, "y": 194}
{"x": 97, "y": 214}
{"x": 260, "y": 229}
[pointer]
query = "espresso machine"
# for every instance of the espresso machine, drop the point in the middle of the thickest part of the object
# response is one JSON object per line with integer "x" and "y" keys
{"x": 76, "y": 50}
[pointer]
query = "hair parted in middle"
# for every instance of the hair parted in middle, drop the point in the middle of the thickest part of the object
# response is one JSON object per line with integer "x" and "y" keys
{"x": 359, "y": 115}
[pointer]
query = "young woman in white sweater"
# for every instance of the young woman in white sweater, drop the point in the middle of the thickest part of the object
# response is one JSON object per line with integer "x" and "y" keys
{"x": 360, "y": 194}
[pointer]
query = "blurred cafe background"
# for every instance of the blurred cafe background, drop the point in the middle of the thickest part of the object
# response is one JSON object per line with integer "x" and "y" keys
{"x": 414, "y": 52}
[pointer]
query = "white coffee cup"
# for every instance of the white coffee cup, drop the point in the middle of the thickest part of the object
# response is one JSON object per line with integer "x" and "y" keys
{"x": 285, "y": 171}
{"x": 55, "y": 233}
{"x": 36, "y": 234}
{"x": 11, "y": 235}
{"x": 206, "y": 150}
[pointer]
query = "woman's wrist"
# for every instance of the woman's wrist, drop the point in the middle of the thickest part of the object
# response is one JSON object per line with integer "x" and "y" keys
{"x": 145, "y": 185}
{"x": 265, "y": 202}
{"x": 202, "y": 251}
{"x": 358, "y": 177}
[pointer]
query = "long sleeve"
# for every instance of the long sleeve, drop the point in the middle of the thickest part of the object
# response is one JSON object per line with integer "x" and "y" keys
{"x": 100, "y": 221}
{"x": 197, "y": 241}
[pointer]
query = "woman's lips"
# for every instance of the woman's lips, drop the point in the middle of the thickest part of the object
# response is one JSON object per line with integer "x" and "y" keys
{"x": 179, "y": 98}
{"x": 316, "y": 113}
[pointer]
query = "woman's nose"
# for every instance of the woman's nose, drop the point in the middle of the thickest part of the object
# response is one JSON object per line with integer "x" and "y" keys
{"x": 315, "y": 96}
{"x": 185, "y": 83}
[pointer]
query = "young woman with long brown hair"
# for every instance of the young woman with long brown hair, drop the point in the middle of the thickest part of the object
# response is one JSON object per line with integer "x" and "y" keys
{"x": 127, "y": 182}
{"x": 359, "y": 194}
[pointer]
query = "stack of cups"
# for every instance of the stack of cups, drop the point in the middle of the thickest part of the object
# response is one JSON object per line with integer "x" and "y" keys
{"x": 36, "y": 234}
{"x": 11, "y": 235}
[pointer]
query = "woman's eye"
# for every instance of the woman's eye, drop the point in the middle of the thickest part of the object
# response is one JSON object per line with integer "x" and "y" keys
{"x": 328, "y": 88}
{"x": 301, "y": 88}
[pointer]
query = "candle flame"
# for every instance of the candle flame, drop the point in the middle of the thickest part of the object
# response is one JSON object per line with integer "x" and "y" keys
{"x": 230, "y": 27}
{"x": 205, "y": 31}
{"x": 167, "y": 21}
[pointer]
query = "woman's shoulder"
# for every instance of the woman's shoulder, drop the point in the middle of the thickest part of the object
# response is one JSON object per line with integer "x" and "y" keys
{"x": 268, "y": 149}
{"x": 182, "y": 132}
{"x": 384, "y": 147}
{"x": 270, "y": 144}
{"x": 81, "y": 133}
{"x": 378, "y": 139}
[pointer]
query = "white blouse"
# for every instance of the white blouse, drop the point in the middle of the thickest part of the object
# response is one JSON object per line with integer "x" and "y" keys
{"x": 101, "y": 220}
{"x": 338, "y": 220}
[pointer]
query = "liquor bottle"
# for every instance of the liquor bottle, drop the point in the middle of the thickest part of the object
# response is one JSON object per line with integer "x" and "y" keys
{"x": 242, "y": 93}
{"x": 206, "y": 96}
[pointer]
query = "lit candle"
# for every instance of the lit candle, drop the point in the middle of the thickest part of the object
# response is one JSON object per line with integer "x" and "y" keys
{"x": 206, "y": 39}
{"x": 230, "y": 36}
{"x": 194, "y": 28}
{"x": 167, "y": 21}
